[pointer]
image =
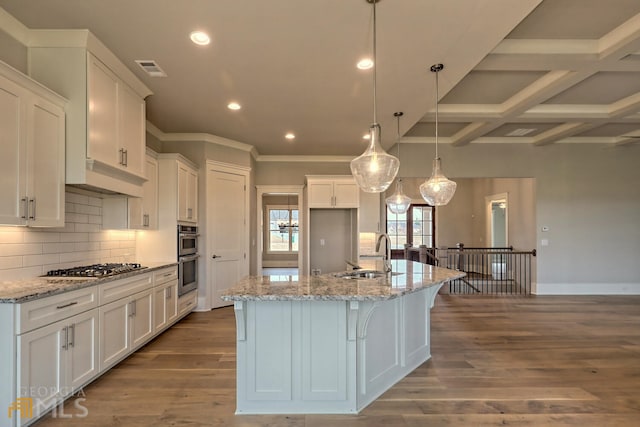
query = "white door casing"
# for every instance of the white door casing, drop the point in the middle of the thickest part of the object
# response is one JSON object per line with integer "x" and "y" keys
{"x": 227, "y": 254}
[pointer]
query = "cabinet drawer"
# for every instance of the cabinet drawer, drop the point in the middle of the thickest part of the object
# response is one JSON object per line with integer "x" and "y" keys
{"x": 41, "y": 312}
{"x": 113, "y": 291}
{"x": 165, "y": 275}
{"x": 187, "y": 302}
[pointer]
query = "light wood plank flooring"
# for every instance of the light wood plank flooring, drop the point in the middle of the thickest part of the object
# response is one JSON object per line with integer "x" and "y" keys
{"x": 517, "y": 361}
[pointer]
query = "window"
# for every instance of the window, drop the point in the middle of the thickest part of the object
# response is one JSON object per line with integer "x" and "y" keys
{"x": 415, "y": 227}
{"x": 283, "y": 229}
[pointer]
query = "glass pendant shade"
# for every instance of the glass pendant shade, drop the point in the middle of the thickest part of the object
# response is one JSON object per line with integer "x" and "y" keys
{"x": 437, "y": 190}
{"x": 398, "y": 203}
{"x": 375, "y": 169}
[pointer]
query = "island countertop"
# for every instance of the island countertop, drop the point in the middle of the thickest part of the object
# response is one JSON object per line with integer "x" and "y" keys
{"x": 407, "y": 277}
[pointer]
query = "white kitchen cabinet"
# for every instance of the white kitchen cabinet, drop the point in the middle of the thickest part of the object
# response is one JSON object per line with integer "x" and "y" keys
{"x": 178, "y": 179}
{"x": 369, "y": 213}
{"x": 125, "y": 325}
{"x": 165, "y": 295}
{"x": 32, "y": 133}
{"x": 187, "y": 302}
{"x": 57, "y": 359}
{"x": 105, "y": 144}
{"x": 138, "y": 213}
{"x": 187, "y": 193}
{"x": 332, "y": 191}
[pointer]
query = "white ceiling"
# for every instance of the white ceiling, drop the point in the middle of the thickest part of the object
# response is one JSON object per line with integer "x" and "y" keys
{"x": 567, "y": 69}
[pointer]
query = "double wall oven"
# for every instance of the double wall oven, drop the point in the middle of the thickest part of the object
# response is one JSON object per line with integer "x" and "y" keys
{"x": 187, "y": 258}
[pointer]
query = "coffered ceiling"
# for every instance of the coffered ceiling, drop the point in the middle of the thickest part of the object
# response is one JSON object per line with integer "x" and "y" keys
{"x": 528, "y": 71}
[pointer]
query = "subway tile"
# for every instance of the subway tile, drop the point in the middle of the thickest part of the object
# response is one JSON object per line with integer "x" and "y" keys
{"x": 95, "y": 201}
{"x": 89, "y": 210}
{"x": 77, "y": 198}
{"x": 11, "y": 235}
{"x": 41, "y": 237}
{"x": 122, "y": 252}
{"x": 10, "y": 262}
{"x": 77, "y": 257}
{"x": 34, "y": 260}
{"x": 77, "y": 218}
{"x": 87, "y": 246}
{"x": 110, "y": 244}
{"x": 74, "y": 237}
{"x": 95, "y": 219}
{"x": 51, "y": 248}
{"x": 21, "y": 273}
{"x": 91, "y": 228}
{"x": 69, "y": 208}
{"x": 11, "y": 249}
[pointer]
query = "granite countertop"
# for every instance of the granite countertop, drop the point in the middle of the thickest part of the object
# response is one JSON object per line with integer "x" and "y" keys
{"x": 407, "y": 277}
{"x": 20, "y": 291}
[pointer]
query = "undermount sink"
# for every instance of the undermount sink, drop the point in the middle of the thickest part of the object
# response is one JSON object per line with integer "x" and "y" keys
{"x": 363, "y": 274}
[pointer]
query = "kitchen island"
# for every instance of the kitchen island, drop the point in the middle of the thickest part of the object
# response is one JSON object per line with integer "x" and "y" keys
{"x": 329, "y": 344}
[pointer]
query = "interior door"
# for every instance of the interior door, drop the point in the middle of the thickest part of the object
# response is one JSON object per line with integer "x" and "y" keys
{"x": 226, "y": 232}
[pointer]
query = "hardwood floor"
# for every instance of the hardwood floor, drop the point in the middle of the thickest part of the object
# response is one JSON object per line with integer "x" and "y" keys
{"x": 517, "y": 361}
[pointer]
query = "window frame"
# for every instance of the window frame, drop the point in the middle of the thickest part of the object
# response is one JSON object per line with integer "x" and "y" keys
{"x": 290, "y": 208}
{"x": 399, "y": 253}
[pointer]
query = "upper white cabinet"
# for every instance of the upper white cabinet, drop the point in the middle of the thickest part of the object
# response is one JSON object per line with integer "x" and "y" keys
{"x": 106, "y": 115}
{"x": 330, "y": 191}
{"x": 369, "y": 213}
{"x": 178, "y": 179}
{"x": 139, "y": 213}
{"x": 32, "y": 135}
{"x": 187, "y": 193}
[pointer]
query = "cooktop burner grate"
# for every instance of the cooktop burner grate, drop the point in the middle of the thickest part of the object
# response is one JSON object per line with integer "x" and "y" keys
{"x": 96, "y": 270}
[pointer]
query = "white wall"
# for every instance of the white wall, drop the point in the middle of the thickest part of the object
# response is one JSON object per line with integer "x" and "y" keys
{"x": 29, "y": 252}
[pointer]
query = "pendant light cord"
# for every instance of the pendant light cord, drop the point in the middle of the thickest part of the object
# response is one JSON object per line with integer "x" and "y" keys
{"x": 375, "y": 64}
{"x": 437, "y": 97}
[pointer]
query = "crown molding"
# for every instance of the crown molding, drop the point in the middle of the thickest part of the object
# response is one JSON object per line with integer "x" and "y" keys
{"x": 302, "y": 159}
{"x": 205, "y": 137}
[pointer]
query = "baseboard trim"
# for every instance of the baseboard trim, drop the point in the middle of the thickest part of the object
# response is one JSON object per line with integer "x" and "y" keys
{"x": 587, "y": 289}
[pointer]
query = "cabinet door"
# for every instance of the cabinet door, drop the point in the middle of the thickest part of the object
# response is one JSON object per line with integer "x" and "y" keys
{"x": 171, "y": 295}
{"x": 12, "y": 161}
{"x": 183, "y": 189}
{"x": 46, "y": 137}
{"x": 160, "y": 315}
{"x": 41, "y": 362}
{"x": 346, "y": 194}
{"x": 114, "y": 332}
{"x": 142, "y": 318}
{"x": 192, "y": 196}
{"x": 131, "y": 129}
{"x": 150, "y": 196}
{"x": 82, "y": 356}
{"x": 103, "y": 118}
{"x": 369, "y": 213}
{"x": 320, "y": 194}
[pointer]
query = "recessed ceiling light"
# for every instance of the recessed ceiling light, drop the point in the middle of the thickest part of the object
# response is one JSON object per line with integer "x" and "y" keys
{"x": 366, "y": 136}
{"x": 200, "y": 38}
{"x": 365, "y": 64}
{"x": 234, "y": 106}
{"x": 290, "y": 135}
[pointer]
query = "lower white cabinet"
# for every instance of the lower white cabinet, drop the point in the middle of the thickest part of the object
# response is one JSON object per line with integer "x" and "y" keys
{"x": 125, "y": 325}
{"x": 56, "y": 360}
{"x": 165, "y": 299}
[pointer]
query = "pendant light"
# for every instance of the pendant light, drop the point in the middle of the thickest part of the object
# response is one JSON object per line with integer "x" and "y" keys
{"x": 437, "y": 190}
{"x": 398, "y": 203}
{"x": 375, "y": 169}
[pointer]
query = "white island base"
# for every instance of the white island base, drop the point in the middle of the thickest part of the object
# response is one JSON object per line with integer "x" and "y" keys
{"x": 327, "y": 356}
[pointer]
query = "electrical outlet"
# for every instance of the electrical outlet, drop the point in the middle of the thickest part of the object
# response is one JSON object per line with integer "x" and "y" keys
{"x": 315, "y": 271}
{"x": 322, "y": 242}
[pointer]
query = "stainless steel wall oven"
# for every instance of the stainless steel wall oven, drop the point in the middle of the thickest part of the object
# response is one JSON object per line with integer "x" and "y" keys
{"x": 187, "y": 258}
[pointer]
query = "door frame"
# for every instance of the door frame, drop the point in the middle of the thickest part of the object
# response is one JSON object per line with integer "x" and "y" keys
{"x": 488, "y": 200}
{"x": 262, "y": 190}
{"x": 206, "y": 301}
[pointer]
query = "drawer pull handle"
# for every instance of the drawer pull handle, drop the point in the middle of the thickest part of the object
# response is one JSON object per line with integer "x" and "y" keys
{"x": 167, "y": 274}
{"x": 67, "y": 305}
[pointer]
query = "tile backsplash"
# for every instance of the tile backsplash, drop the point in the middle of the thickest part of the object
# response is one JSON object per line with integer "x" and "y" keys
{"x": 29, "y": 252}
